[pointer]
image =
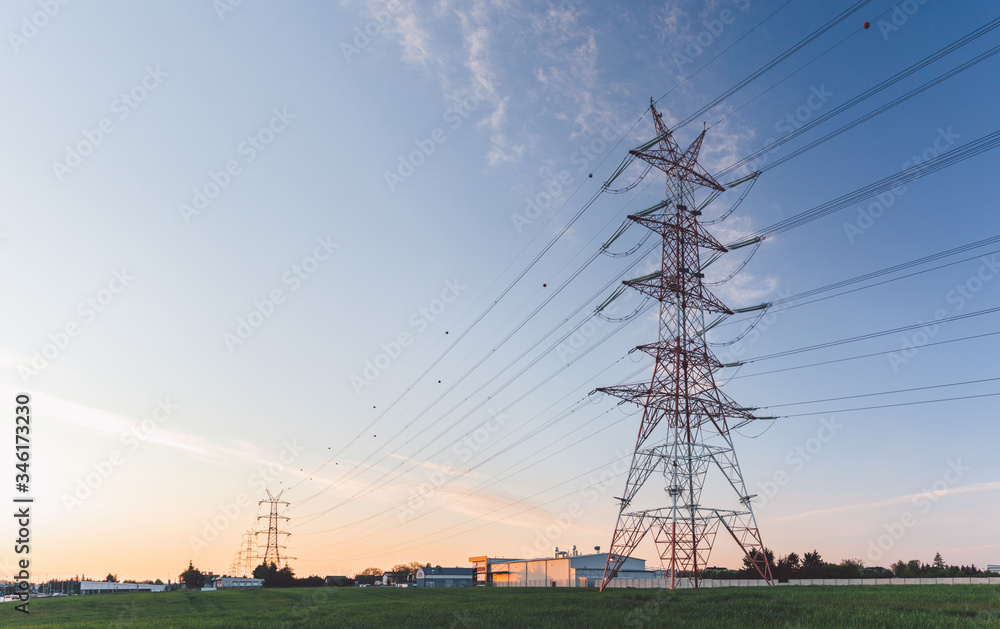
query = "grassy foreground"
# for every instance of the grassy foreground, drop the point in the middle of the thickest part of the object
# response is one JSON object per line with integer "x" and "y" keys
{"x": 931, "y": 606}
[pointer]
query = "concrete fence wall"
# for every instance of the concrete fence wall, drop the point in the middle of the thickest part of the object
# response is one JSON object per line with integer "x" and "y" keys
{"x": 721, "y": 583}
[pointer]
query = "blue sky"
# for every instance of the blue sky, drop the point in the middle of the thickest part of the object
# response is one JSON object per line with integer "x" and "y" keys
{"x": 264, "y": 200}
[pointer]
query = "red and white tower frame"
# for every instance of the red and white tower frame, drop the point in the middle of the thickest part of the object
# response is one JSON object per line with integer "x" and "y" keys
{"x": 686, "y": 419}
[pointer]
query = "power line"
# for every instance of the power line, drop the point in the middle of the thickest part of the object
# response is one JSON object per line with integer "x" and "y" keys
{"x": 876, "y": 112}
{"x": 496, "y": 477}
{"x": 874, "y": 274}
{"x": 773, "y": 62}
{"x": 868, "y": 408}
{"x": 929, "y": 59}
{"x": 746, "y": 81}
{"x": 864, "y": 337}
{"x": 944, "y": 160}
{"x": 910, "y": 390}
{"x": 709, "y": 62}
{"x": 840, "y": 360}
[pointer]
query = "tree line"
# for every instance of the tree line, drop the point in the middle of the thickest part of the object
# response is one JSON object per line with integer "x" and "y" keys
{"x": 812, "y": 566}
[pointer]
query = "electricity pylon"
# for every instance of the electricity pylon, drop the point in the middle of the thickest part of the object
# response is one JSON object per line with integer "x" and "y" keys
{"x": 242, "y": 564}
{"x": 682, "y": 398}
{"x": 249, "y": 546}
{"x": 272, "y": 552}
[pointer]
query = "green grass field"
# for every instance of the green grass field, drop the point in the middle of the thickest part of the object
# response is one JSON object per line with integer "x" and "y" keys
{"x": 930, "y": 606}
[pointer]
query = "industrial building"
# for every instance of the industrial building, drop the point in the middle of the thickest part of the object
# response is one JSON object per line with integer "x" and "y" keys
{"x": 563, "y": 569}
{"x": 231, "y": 583}
{"x": 98, "y": 587}
{"x": 446, "y": 577}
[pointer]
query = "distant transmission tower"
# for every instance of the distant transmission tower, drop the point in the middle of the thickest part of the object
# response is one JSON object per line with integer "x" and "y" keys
{"x": 682, "y": 397}
{"x": 272, "y": 553}
{"x": 242, "y": 564}
{"x": 247, "y": 553}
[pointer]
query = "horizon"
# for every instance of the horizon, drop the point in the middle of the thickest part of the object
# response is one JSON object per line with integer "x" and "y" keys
{"x": 347, "y": 254}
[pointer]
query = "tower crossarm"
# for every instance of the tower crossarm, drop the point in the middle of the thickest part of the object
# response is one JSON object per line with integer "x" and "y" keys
{"x": 694, "y": 232}
{"x": 663, "y": 286}
{"x": 665, "y": 154}
{"x": 672, "y": 348}
{"x": 655, "y": 397}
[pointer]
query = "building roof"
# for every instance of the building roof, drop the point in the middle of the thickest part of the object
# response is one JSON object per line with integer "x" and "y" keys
{"x": 430, "y": 572}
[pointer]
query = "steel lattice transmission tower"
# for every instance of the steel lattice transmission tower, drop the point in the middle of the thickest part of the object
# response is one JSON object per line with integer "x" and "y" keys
{"x": 242, "y": 564}
{"x": 682, "y": 399}
{"x": 272, "y": 552}
{"x": 247, "y": 553}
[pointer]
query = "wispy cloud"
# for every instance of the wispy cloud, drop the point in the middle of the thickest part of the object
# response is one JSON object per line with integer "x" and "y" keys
{"x": 908, "y": 498}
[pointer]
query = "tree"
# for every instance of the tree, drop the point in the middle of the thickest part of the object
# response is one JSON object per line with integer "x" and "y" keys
{"x": 748, "y": 562}
{"x": 192, "y": 577}
{"x": 111, "y": 578}
{"x": 812, "y": 560}
{"x": 906, "y": 570}
{"x": 312, "y": 581}
{"x": 260, "y": 572}
{"x": 274, "y": 578}
{"x": 938, "y": 561}
{"x": 852, "y": 568}
{"x": 793, "y": 560}
{"x": 407, "y": 569}
{"x": 368, "y": 576}
{"x": 787, "y": 567}
{"x": 812, "y": 566}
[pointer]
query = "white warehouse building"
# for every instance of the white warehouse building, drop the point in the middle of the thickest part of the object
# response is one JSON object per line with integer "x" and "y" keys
{"x": 563, "y": 569}
{"x": 445, "y": 577}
